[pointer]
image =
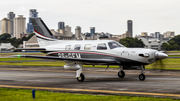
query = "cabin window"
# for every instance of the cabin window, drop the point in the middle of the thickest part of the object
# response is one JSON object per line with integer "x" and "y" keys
{"x": 77, "y": 47}
{"x": 68, "y": 47}
{"x": 113, "y": 45}
{"x": 87, "y": 47}
{"x": 101, "y": 46}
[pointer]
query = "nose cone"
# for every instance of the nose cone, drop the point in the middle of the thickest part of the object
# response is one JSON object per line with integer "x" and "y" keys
{"x": 160, "y": 55}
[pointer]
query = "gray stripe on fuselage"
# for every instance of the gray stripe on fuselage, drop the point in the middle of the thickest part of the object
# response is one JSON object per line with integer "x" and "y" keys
{"x": 100, "y": 55}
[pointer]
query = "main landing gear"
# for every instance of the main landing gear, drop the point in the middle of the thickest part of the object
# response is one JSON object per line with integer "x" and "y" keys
{"x": 121, "y": 73}
{"x": 80, "y": 76}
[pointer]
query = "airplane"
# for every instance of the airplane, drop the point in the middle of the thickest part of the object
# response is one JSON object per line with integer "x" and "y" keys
{"x": 76, "y": 53}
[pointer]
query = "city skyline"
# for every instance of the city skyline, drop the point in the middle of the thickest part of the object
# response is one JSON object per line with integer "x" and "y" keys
{"x": 107, "y": 16}
{"x": 32, "y": 13}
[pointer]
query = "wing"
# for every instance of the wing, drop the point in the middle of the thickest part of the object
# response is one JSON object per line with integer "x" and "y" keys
{"x": 34, "y": 49}
{"x": 84, "y": 60}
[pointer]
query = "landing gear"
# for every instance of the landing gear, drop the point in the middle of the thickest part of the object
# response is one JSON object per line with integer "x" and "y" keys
{"x": 81, "y": 78}
{"x": 142, "y": 77}
{"x": 121, "y": 74}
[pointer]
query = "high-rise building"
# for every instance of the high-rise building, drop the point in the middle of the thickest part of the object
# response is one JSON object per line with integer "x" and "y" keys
{"x": 68, "y": 31}
{"x": 32, "y": 14}
{"x": 130, "y": 27}
{"x": 169, "y": 34}
{"x": 92, "y": 30}
{"x": 61, "y": 25}
{"x": 78, "y": 32}
{"x": 19, "y": 26}
{"x": 11, "y": 16}
{"x": 157, "y": 34}
{"x": 61, "y": 28}
{"x": 5, "y": 26}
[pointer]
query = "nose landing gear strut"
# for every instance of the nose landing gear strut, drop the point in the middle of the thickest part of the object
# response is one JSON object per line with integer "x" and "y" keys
{"x": 142, "y": 77}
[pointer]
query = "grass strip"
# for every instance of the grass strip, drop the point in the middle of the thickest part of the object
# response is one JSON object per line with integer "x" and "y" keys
{"x": 174, "y": 55}
{"x": 12, "y": 94}
{"x": 172, "y": 51}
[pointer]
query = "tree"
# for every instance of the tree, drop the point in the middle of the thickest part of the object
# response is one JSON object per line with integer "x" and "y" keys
{"x": 6, "y": 38}
{"x": 175, "y": 47}
{"x": 131, "y": 42}
{"x": 165, "y": 46}
{"x": 172, "y": 44}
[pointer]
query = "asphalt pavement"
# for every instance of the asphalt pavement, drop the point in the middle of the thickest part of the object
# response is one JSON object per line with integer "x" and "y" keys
{"x": 97, "y": 81}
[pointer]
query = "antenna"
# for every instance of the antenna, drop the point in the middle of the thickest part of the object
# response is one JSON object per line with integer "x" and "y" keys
{"x": 82, "y": 37}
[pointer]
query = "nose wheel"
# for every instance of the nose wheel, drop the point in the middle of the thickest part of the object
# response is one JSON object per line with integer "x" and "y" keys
{"x": 81, "y": 78}
{"x": 121, "y": 74}
{"x": 142, "y": 77}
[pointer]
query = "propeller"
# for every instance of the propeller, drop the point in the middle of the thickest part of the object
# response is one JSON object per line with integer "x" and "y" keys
{"x": 159, "y": 56}
{"x": 159, "y": 64}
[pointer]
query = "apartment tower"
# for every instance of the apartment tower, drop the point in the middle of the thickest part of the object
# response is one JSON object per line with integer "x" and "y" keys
{"x": 19, "y": 26}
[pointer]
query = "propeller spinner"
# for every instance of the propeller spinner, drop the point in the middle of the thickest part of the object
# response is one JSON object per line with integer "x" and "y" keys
{"x": 160, "y": 55}
{"x": 159, "y": 63}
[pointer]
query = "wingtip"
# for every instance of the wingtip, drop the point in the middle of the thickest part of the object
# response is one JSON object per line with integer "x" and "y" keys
{"x": 17, "y": 56}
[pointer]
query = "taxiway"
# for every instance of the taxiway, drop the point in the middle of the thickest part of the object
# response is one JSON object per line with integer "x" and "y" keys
{"x": 157, "y": 84}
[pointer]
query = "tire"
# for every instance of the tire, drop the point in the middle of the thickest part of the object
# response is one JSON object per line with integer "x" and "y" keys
{"x": 121, "y": 74}
{"x": 81, "y": 78}
{"x": 142, "y": 77}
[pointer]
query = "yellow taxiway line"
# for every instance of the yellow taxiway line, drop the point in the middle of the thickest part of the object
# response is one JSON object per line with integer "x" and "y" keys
{"x": 91, "y": 90}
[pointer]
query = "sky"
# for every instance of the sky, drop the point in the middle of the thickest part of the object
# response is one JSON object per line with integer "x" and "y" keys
{"x": 105, "y": 15}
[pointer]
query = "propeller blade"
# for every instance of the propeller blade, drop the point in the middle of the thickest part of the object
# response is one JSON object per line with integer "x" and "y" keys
{"x": 159, "y": 64}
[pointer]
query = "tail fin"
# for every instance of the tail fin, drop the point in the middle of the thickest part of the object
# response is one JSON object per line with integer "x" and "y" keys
{"x": 43, "y": 34}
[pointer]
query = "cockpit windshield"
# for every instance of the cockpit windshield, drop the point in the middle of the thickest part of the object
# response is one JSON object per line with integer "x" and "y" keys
{"x": 114, "y": 44}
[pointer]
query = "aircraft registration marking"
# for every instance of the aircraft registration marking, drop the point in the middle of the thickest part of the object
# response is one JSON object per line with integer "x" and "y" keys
{"x": 70, "y": 55}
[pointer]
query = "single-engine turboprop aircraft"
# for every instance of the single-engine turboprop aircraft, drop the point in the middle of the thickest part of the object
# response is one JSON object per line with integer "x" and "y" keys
{"x": 76, "y": 53}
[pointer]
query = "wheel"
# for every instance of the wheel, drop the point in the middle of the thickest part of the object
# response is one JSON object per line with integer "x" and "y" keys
{"x": 81, "y": 78}
{"x": 142, "y": 77}
{"x": 121, "y": 74}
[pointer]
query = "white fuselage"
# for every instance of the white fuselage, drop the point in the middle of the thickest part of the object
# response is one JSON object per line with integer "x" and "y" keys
{"x": 146, "y": 56}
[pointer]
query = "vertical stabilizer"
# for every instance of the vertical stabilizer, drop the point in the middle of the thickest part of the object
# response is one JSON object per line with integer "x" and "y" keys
{"x": 44, "y": 35}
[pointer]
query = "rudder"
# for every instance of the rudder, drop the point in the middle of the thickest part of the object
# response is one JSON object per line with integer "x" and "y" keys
{"x": 43, "y": 34}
